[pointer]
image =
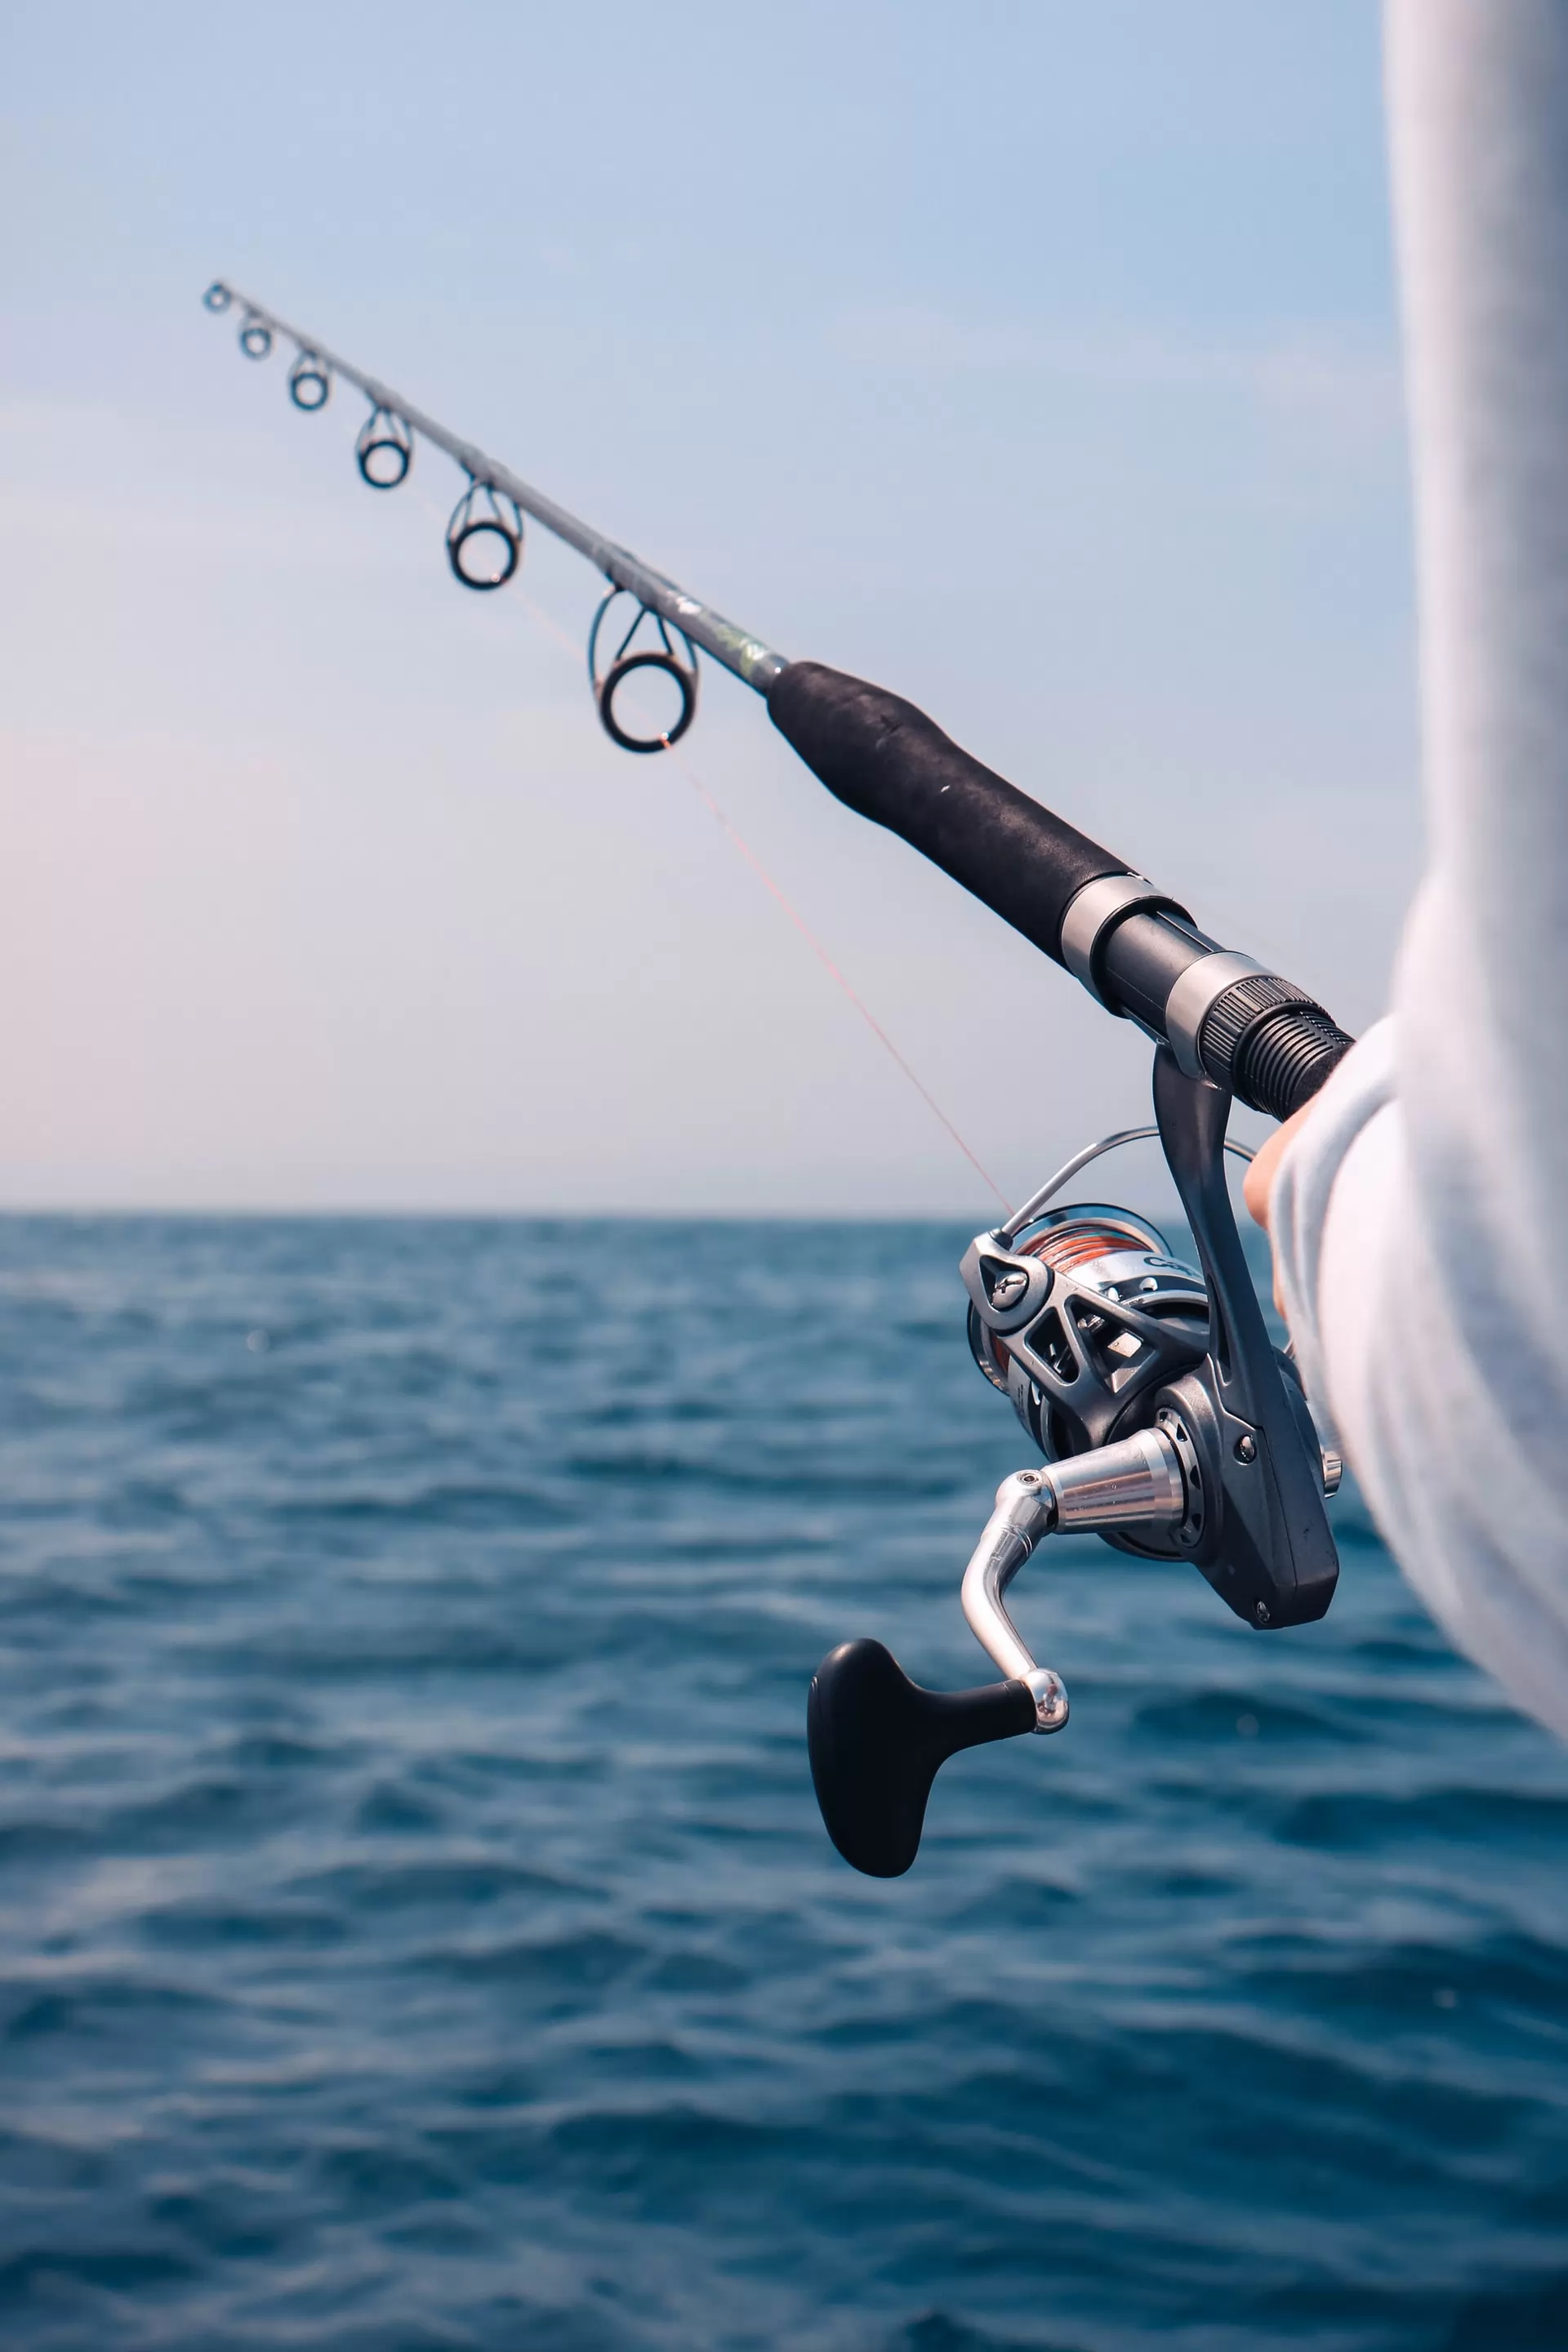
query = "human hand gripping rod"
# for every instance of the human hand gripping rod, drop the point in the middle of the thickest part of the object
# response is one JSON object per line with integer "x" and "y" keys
{"x": 1169, "y": 1423}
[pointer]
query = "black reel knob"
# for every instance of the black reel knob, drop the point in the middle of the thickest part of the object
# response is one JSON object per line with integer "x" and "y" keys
{"x": 878, "y": 1741}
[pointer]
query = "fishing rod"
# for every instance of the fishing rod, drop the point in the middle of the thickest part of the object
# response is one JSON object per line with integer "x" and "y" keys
{"x": 1169, "y": 1423}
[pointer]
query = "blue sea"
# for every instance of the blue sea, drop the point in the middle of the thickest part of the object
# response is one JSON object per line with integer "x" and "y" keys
{"x": 416, "y": 1928}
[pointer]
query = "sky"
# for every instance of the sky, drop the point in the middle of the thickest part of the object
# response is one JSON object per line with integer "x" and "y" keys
{"x": 1038, "y": 361}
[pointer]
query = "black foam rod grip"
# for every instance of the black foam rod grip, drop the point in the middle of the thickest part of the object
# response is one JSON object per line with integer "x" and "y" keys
{"x": 877, "y": 1740}
{"x": 889, "y": 761}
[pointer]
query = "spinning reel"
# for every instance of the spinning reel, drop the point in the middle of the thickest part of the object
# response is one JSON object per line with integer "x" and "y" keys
{"x": 1170, "y": 1426}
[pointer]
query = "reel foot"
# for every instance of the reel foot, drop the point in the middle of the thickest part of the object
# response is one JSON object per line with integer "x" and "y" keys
{"x": 877, "y": 1740}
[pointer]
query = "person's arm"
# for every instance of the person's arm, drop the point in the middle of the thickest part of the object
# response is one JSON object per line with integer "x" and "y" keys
{"x": 1417, "y": 1214}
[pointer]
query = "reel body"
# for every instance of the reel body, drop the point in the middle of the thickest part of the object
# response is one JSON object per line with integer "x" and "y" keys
{"x": 1170, "y": 1426}
{"x": 1077, "y": 1318}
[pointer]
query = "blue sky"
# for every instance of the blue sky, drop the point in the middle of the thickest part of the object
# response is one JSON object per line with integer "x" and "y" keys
{"x": 1039, "y": 362}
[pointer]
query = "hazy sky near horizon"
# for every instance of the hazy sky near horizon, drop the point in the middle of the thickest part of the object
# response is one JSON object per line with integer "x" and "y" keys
{"x": 1040, "y": 362}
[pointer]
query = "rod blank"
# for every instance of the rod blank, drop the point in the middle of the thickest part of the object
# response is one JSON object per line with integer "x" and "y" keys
{"x": 1137, "y": 950}
{"x": 736, "y": 649}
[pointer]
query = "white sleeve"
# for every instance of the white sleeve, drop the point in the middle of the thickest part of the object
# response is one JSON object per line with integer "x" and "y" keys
{"x": 1420, "y": 1213}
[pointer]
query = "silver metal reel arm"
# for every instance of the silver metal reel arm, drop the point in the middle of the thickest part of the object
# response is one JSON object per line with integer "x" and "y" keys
{"x": 1138, "y": 1482}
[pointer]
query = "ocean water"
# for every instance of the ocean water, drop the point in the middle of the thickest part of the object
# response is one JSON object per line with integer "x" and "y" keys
{"x": 416, "y": 1928}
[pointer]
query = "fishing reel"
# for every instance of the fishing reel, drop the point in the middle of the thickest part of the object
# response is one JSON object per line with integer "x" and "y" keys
{"x": 1170, "y": 1426}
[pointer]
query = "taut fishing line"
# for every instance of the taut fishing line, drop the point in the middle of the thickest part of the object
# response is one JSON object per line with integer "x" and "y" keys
{"x": 1167, "y": 1422}
{"x": 385, "y": 454}
{"x": 770, "y": 882}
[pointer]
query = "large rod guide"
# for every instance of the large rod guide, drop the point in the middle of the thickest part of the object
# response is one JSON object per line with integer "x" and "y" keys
{"x": 1138, "y": 952}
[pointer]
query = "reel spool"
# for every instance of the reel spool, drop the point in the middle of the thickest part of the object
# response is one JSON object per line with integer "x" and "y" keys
{"x": 254, "y": 335}
{"x": 474, "y": 534}
{"x": 662, "y": 658}
{"x": 310, "y": 386}
{"x": 385, "y": 450}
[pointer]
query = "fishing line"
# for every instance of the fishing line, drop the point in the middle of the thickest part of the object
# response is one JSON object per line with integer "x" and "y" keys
{"x": 488, "y": 525}
{"x": 655, "y": 738}
{"x": 775, "y": 889}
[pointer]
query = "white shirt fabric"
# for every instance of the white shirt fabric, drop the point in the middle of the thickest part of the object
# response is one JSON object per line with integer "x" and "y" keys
{"x": 1419, "y": 1218}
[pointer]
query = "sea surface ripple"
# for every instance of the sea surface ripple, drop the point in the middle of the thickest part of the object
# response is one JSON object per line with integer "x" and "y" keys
{"x": 416, "y": 1928}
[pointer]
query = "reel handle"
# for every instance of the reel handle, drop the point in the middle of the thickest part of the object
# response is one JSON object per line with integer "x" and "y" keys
{"x": 877, "y": 1740}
